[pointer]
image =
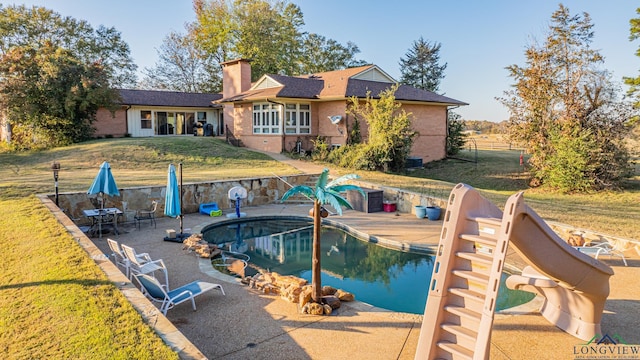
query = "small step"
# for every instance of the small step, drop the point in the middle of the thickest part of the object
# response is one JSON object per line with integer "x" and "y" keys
{"x": 459, "y": 352}
{"x": 467, "y": 294}
{"x": 478, "y": 257}
{"x": 472, "y": 276}
{"x": 463, "y": 312}
{"x": 497, "y": 222}
{"x": 483, "y": 240}
{"x": 460, "y": 331}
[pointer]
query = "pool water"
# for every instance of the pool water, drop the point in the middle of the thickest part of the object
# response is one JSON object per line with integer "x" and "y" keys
{"x": 379, "y": 276}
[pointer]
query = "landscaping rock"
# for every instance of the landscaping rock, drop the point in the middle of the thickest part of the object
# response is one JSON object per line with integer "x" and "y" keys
{"x": 328, "y": 290}
{"x": 344, "y": 296}
{"x": 297, "y": 290}
{"x": 332, "y": 301}
{"x": 327, "y": 309}
{"x": 313, "y": 309}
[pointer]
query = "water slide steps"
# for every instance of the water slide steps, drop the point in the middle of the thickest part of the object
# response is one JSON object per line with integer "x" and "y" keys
{"x": 464, "y": 286}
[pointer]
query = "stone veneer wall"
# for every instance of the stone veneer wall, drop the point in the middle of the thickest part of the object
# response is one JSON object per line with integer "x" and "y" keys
{"x": 260, "y": 191}
{"x": 269, "y": 190}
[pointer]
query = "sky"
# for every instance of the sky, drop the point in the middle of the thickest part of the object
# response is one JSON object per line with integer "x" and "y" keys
{"x": 478, "y": 38}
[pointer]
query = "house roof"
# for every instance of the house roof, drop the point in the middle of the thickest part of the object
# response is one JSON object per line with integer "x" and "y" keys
{"x": 338, "y": 84}
{"x": 168, "y": 98}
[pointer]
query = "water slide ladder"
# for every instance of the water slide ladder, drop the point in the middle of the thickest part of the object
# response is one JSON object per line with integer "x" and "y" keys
{"x": 467, "y": 268}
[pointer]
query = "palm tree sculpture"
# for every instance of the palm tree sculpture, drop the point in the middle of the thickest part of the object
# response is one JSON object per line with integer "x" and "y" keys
{"x": 323, "y": 194}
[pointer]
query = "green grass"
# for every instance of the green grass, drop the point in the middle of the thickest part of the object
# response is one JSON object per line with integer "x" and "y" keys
{"x": 498, "y": 175}
{"x": 134, "y": 162}
{"x": 56, "y": 303}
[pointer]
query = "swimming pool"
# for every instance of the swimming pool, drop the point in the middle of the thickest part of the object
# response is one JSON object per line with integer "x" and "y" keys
{"x": 385, "y": 278}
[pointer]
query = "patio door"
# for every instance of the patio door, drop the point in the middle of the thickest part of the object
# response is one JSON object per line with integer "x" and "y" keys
{"x": 174, "y": 123}
{"x": 161, "y": 123}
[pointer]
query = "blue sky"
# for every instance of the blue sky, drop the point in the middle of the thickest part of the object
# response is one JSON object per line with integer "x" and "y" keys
{"x": 479, "y": 38}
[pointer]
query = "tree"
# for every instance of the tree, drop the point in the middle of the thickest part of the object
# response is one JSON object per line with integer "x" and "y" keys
{"x": 634, "y": 83}
{"x": 420, "y": 67}
{"x": 322, "y": 54}
{"x": 558, "y": 110}
{"x": 324, "y": 193}
{"x": 390, "y": 132}
{"x": 455, "y": 136}
{"x": 269, "y": 33}
{"x": 183, "y": 66}
{"x": 55, "y": 72}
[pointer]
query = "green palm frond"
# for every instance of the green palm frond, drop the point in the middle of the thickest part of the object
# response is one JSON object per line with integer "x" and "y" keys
{"x": 321, "y": 195}
{"x": 300, "y": 189}
{"x": 342, "y": 179}
{"x": 322, "y": 179}
{"x": 338, "y": 202}
{"x": 343, "y": 188}
{"x": 327, "y": 193}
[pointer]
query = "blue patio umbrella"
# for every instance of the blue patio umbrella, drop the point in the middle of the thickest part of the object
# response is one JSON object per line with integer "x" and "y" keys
{"x": 103, "y": 184}
{"x": 172, "y": 200}
{"x": 172, "y": 196}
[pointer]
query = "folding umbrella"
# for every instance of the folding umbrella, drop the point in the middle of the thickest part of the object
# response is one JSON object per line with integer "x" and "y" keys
{"x": 103, "y": 184}
{"x": 172, "y": 200}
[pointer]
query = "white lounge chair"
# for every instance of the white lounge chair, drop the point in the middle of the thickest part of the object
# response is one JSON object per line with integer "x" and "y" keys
{"x": 144, "y": 265}
{"x": 603, "y": 248}
{"x": 120, "y": 259}
{"x": 171, "y": 298}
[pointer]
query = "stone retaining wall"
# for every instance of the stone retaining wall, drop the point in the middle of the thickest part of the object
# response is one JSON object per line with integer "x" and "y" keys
{"x": 260, "y": 191}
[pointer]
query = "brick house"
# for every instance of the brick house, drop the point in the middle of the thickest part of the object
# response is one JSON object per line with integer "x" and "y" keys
{"x": 277, "y": 112}
{"x": 155, "y": 113}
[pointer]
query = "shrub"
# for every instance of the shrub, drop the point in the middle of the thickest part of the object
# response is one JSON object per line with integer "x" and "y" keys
{"x": 320, "y": 149}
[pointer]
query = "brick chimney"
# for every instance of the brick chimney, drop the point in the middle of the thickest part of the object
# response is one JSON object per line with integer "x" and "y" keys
{"x": 236, "y": 77}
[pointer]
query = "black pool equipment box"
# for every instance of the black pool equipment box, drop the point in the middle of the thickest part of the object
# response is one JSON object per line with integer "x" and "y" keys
{"x": 373, "y": 202}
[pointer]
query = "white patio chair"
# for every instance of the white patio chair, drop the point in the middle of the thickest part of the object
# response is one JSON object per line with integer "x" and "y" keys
{"x": 139, "y": 265}
{"x": 120, "y": 259}
{"x": 171, "y": 298}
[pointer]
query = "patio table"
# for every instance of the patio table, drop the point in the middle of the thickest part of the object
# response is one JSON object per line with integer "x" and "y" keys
{"x": 101, "y": 217}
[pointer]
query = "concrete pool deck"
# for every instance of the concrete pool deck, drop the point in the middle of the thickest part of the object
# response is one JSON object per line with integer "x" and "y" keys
{"x": 246, "y": 324}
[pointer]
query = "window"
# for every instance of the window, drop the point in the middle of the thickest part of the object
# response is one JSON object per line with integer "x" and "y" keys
{"x": 297, "y": 119}
{"x": 145, "y": 119}
{"x": 266, "y": 119}
{"x": 202, "y": 116}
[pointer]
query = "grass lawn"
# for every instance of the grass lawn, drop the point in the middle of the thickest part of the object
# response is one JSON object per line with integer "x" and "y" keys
{"x": 498, "y": 175}
{"x": 56, "y": 303}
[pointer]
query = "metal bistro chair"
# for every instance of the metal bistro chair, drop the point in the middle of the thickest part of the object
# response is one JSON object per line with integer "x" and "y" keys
{"x": 149, "y": 214}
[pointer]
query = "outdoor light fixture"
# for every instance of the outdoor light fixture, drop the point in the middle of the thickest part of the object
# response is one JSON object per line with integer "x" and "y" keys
{"x": 55, "y": 167}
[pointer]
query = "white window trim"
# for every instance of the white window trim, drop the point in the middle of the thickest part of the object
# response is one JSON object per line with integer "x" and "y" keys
{"x": 297, "y": 128}
{"x": 266, "y": 120}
